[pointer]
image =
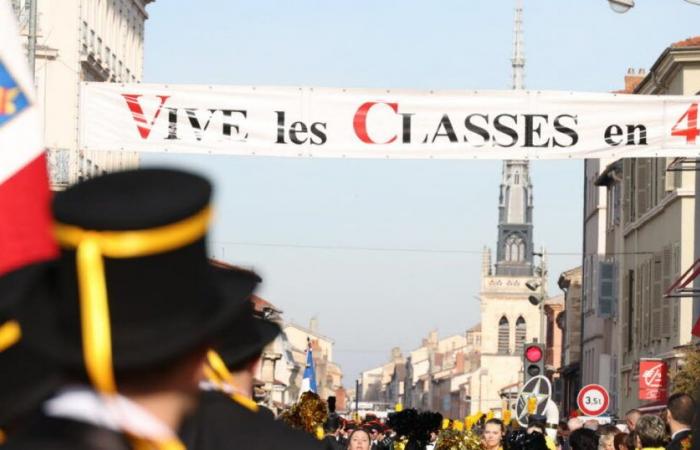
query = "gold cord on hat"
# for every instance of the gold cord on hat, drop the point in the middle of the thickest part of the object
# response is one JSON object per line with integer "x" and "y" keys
{"x": 91, "y": 247}
{"x": 10, "y": 334}
{"x": 218, "y": 374}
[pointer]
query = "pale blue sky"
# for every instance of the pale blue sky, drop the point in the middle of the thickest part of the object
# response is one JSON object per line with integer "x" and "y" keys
{"x": 330, "y": 237}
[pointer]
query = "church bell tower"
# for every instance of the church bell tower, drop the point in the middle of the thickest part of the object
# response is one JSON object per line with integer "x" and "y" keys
{"x": 515, "y": 243}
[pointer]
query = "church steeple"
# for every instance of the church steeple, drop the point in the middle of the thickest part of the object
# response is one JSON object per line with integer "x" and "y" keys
{"x": 515, "y": 244}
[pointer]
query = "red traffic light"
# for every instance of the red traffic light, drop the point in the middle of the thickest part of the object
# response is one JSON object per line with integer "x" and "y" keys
{"x": 533, "y": 354}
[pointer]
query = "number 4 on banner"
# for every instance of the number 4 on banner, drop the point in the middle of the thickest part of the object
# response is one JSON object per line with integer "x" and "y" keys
{"x": 691, "y": 132}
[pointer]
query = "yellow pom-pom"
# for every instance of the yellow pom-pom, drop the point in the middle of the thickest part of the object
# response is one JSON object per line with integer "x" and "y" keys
{"x": 506, "y": 416}
{"x": 531, "y": 404}
{"x": 445, "y": 424}
{"x": 398, "y": 407}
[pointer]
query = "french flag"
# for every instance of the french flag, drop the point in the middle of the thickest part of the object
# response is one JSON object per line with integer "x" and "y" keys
{"x": 25, "y": 216}
{"x": 308, "y": 381}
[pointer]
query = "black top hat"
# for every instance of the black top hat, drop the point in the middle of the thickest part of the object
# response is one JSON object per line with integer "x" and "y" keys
{"x": 248, "y": 335}
{"x": 148, "y": 229}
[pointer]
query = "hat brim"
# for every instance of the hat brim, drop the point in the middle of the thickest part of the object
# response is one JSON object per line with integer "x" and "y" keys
{"x": 144, "y": 348}
{"x": 242, "y": 350}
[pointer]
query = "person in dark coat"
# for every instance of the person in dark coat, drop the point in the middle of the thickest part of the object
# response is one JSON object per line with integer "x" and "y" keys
{"x": 679, "y": 417}
{"x": 227, "y": 416}
{"x": 134, "y": 307}
{"x": 333, "y": 439}
{"x": 27, "y": 377}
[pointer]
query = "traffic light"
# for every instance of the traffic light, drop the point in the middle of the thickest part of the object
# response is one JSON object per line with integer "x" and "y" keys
{"x": 533, "y": 360}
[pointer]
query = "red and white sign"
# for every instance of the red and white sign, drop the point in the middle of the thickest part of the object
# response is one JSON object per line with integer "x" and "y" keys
{"x": 653, "y": 380}
{"x": 593, "y": 400}
{"x": 387, "y": 123}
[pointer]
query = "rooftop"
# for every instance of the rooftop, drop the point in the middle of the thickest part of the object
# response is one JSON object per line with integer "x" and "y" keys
{"x": 690, "y": 42}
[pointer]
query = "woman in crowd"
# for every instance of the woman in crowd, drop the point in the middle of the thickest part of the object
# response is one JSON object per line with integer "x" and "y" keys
{"x": 492, "y": 437}
{"x": 651, "y": 433}
{"x": 620, "y": 441}
{"x": 606, "y": 442}
{"x": 359, "y": 440}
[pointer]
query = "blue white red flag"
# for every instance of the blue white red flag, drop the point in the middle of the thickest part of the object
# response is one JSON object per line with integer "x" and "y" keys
{"x": 308, "y": 382}
{"x": 25, "y": 218}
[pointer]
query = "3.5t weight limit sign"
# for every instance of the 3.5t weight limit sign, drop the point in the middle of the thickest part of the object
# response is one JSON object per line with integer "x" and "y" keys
{"x": 593, "y": 400}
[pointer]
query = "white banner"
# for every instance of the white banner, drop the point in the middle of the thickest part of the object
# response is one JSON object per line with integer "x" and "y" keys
{"x": 371, "y": 123}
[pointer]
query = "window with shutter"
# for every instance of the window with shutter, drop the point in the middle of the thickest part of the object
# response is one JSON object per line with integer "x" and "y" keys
{"x": 520, "y": 334}
{"x": 503, "y": 336}
{"x": 667, "y": 303}
{"x": 661, "y": 179}
{"x": 670, "y": 177}
{"x": 676, "y": 272}
{"x": 638, "y": 307}
{"x": 616, "y": 290}
{"x": 644, "y": 291}
{"x": 627, "y": 190}
{"x": 643, "y": 185}
{"x": 605, "y": 289}
{"x": 647, "y": 293}
{"x": 626, "y": 313}
{"x": 656, "y": 299}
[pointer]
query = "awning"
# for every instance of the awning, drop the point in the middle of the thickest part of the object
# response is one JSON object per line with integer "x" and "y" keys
{"x": 683, "y": 287}
{"x": 653, "y": 407}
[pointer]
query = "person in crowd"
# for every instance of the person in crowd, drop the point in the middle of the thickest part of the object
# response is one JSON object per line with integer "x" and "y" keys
{"x": 387, "y": 438}
{"x": 376, "y": 435}
{"x": 679, "y": 417}
{"x": 631, "y": 440}
{"x": 333, "y": 429}
{"x": 620, "y": 441}
{"x": 134, "y": 309}
{"x": 591, "y": 424}
{"x": 608, "y": 429}
{"x": 631, "y": 418}
{"x": 492, "y": 437}
{"x": 28, "y": 378}
{"x": 583, "y": 439}
{"x": 606, "y": 442}
{"x": 562, "y": 437}
{"x": 574, "y": 424}
{"x": 227, "y": 412}
{"x": 538, "y": 424}
{"x": 432, "y": 439}
{"x": 359, "y": 439}
{"x": 651, "y": 432}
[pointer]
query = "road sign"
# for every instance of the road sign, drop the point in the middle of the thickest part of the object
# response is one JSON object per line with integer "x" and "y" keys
{"x": 538, "y": 388}
{"x": 593, "y": 400}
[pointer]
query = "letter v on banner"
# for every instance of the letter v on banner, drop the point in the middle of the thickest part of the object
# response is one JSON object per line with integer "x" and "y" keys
{"x": 132, "y": 101}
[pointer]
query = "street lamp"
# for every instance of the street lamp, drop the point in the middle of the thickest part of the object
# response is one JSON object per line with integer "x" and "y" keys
{"x": 621, "y": 6}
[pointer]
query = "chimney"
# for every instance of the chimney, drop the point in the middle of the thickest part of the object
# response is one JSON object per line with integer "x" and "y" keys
{"x": 459, "y": 362}
{"x": 633, "y": 78}
{"x": 313, "y": 325}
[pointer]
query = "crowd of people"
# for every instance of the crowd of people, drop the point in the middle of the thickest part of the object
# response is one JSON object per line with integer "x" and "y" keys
{"x": 131, "y": 338}
{"x": 669, "y": 430}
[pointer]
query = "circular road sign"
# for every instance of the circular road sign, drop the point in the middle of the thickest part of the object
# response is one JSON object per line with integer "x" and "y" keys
{"x": 538, "y": 388}
{"x": 593, "y": 400}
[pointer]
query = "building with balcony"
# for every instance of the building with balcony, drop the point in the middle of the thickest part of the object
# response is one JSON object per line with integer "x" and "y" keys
{"x": 78, "y": 41}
